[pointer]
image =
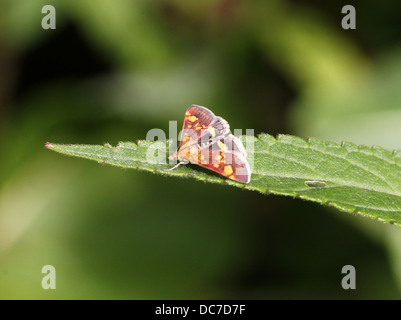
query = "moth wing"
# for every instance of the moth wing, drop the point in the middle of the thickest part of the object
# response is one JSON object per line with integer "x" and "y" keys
{"x": 227, "y": 157}
{"x": 202, "y": 126}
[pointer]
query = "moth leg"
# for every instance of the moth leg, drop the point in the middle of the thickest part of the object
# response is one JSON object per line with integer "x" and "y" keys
{"x": 177, "y": 165}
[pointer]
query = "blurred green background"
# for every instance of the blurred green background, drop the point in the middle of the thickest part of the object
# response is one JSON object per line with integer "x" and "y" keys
{"x": 112, "y": 70}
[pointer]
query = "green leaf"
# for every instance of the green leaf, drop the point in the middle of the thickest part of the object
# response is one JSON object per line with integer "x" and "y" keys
{"x": 356, "y": 179}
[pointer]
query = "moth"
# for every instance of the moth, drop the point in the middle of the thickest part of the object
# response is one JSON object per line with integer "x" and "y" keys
{"x": 206, "y": 141}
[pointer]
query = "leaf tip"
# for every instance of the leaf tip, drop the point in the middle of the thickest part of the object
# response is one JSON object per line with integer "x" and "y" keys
{"x": 49, "y": 145}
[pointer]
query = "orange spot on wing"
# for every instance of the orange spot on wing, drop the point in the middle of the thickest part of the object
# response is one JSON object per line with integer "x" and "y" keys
{"x": 192, "y": 118}
{"x": 228, "y": 170}
{"x": 218, "y": 158}
{"x": 222, "y": 146}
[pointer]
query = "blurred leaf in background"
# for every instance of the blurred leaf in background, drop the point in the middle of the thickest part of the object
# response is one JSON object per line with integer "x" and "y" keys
{"x": 113, "y": 70}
